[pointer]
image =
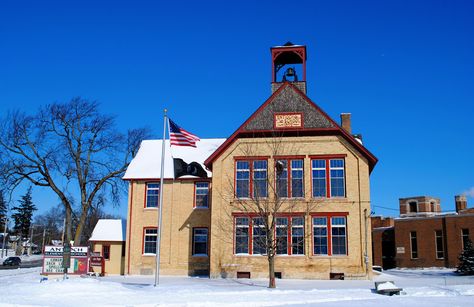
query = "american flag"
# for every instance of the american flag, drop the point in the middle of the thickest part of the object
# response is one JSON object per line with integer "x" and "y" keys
{"x": 181, "y": 137}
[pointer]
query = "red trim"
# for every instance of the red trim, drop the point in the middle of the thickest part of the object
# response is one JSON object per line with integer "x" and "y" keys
{"x": 208, "y": 194}
{"x": 328, "y": 216}
{"x": 291, "y": 157}
{"x": 146, "y": 191}
{"x": 143, "y": 236}
{"x": 337, "y": 130}
{"x": 299, "y": 50}
{"x": 288, "y": 113}
{"x": 192, "y": 242}
{"x": 327, "y": 159}
{"x": 328, "y": 179}
{"x": 251, "y": 158}
{"x": 130, "y": 225}
{"x": 321, "y": 157}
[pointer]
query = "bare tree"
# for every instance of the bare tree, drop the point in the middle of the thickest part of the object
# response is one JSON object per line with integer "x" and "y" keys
{"x": 268, "y": 201}
{"x": 70, "y": 148}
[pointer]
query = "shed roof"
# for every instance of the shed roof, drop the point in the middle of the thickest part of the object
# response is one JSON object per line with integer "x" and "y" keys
{"x": 109, "y": 230}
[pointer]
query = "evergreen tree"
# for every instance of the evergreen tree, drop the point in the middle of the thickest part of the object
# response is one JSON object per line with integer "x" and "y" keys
{"x": 23, "y": 214}
{"x": 466, "y": 260}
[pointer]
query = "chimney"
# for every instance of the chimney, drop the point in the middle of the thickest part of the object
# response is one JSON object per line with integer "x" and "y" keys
{"x": 346, "y": 122}
{"x": 461, "y": 202}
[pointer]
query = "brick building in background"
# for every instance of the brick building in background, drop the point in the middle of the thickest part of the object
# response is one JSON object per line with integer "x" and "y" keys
{"x": 422, "y": 236}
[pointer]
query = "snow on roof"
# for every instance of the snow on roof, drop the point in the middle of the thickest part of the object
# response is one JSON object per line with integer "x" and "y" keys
{"x": 108, "y": 230}
{"x": 147, "y": 163}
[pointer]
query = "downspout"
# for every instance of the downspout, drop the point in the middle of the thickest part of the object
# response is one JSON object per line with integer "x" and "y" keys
{"x": 130, "y": 225}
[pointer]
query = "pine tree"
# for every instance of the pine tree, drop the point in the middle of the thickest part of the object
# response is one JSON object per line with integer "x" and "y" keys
{"x": 466, "y": 260}
{"x": 23, "y": 214}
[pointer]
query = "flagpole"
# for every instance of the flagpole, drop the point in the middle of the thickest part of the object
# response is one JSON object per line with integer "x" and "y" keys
{"x": 158, "y": 241}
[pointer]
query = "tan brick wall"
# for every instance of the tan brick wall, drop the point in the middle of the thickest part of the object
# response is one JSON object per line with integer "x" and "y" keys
{"x": 115, "y": 264}
{"x": 225, "y": 263}
{"x": 179, "y": 218}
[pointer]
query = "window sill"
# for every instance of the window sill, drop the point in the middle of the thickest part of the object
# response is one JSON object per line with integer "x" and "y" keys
{"x": 291, "y": 256}
{"x": 200, "y": 256}
{"x": 249, "y": 255}
{"x": 150, "y": 208}
{"x": 149, "y": 255}
{"x": 201, "y": 208}
{"x": 329, "y": 256}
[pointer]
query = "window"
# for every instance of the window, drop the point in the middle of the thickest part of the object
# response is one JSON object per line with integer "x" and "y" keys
{"x": 200, "y": 238}
{"x": 290, "y": 180}
{"x": 464, "y": 237}
{"x": 320, "y": 236}
{"x": 329, "y": 235}
{"x": 242, "y": 235}
{"x": 319, "y": 178}
{"x": 106, "y": 252}
{"x": 260, "y": 178}
{"x": 338, "y": 233}
{"x": 290, "y": 233}
{"x": 258, "y": 236}
{"x": 337, "y": 178}
{"x": 439, "y": 244}
{"x": 242, "y": 179}
{"x": 328, "y": 176}
{"x": 152, "y": 195}
{"x": 414, "y": 245}
{"x": 281, "y": 235}
{"x": 413, "y": 206}
{"x": 149, "y": 240}
{"x": 201, "y": 197}
{"x": 251, "y": 179}
{"x": 297, "y": 236}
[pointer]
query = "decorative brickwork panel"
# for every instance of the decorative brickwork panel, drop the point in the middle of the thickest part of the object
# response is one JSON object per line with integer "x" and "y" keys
{"x": 284, "y": 120}
{"x": 288, "y": 101}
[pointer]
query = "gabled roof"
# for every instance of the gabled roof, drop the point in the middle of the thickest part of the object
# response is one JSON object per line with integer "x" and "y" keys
{"x": 288, "y": 98}
{"x": 108, "y": 230}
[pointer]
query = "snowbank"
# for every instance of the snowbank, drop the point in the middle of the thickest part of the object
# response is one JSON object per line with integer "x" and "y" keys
{"x": 22, "y": 287}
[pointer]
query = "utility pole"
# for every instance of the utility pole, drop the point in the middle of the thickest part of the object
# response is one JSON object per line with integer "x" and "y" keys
{"x": 31, "y": 240}
{"x": 4, "y": 235}
{"x": 44, "y": 235}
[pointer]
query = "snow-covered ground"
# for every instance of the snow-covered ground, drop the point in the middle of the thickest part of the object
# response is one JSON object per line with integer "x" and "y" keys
{"x": 22, "y": 287}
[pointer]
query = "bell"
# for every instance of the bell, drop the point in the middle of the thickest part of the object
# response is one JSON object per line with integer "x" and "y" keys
{"x": 290, "y": 72}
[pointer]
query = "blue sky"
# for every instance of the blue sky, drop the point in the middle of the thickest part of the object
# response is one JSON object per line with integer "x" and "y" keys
{"x": 404, "y": 69}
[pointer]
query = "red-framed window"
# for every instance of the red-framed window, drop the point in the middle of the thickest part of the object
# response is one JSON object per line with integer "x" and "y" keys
{"x": 249, "y": 235}
{"x": 200, "y": 241}
{"x": 251, "y": 177}
{"x": 150, "y": 236}
{"x": 152, "y": 193}
{"x": 106, "y": 252}
{"x": 201, "y": 195}
{"x": 290, "y": 178}
{"x": 328, "y": 177}
{"x": 329, "y": 234}
{"x": 289, "y": 234}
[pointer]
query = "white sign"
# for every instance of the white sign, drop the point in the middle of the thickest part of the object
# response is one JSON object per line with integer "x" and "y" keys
{"x": 401, "y": 250}
{"x": 53, "y": 260}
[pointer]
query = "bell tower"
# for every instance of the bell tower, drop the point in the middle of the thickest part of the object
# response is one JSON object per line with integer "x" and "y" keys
{"x": 289, "y": 65}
